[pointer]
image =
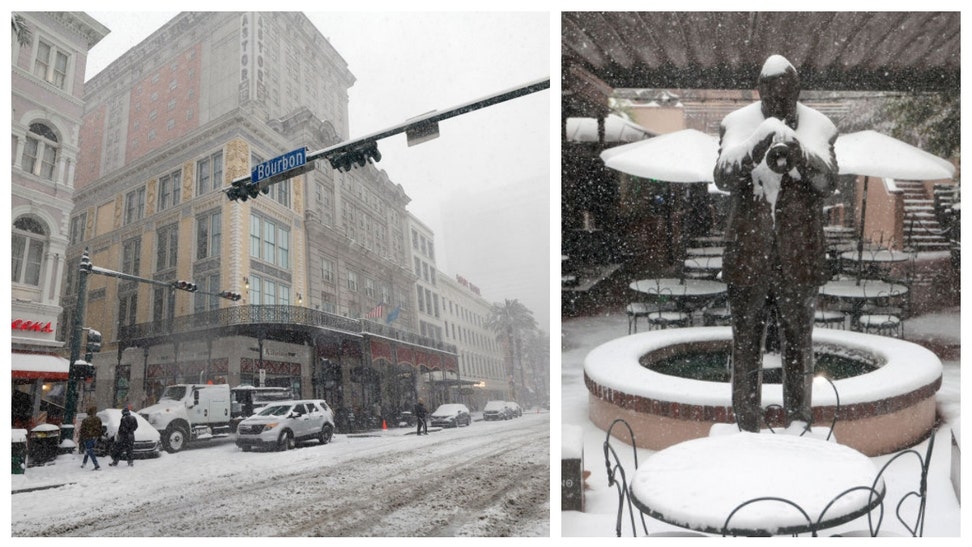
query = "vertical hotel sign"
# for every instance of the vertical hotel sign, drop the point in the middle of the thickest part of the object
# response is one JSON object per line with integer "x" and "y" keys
{"x": 252, "y": 39}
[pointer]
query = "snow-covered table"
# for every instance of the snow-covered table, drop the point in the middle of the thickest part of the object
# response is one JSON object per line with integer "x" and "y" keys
{"x": 688, "y": 293}
{"x": 858, "y": 293}
{"x": 705, "y": 251}
{"x": 697, "y": 484}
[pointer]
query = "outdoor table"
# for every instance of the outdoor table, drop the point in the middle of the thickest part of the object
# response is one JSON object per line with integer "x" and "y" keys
{"x": 858, "y": 293}
{"x": 688, "y": 293}
{"x": 703, "y": 241}
{"x": 697, "y": 484}
{"x": 705, "y": 251}
{"x": 874, "y": 262}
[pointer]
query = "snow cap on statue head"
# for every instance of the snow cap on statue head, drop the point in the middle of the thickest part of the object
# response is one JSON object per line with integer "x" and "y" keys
{"x": 125, "y": 411}
{"x": 779, "y": 88}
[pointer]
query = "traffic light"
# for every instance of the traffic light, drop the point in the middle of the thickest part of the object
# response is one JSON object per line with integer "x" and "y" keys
{"x": 238, "y": 191}
{"x": 187, "y": 286}
{"x": 229, "y": 295}
{"x": 93, "y": 344}
{"x": 357, "y": 156}
{"x": 84, "y": 369}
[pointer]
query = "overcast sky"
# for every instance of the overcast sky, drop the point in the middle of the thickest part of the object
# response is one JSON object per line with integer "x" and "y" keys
{"x": 487, "y": 176}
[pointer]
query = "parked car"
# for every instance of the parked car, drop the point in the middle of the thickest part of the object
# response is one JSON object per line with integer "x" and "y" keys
{"x": 282, "y": 425}
{"x": 148, "y": 442}
{"x": 496, "y": 410}
{"x": 450, "y": 415}
{"x": 515, "y": 410}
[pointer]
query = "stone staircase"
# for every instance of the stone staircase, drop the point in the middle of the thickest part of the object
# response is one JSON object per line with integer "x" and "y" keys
{"x": 922, "y": 230}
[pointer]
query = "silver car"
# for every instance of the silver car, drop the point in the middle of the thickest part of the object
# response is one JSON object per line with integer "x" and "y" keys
{"x": 282, "y": 425}
{"x": 451, "y": 415}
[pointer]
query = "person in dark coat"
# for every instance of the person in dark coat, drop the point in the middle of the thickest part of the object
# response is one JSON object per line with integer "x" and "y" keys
{"x": 777, "y": 161}
{"x": 125, "y": 438}
{"x": 422, "y": 428}
{"x": 89, "y": 434}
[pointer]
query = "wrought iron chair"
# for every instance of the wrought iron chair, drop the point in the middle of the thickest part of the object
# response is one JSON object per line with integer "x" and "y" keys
{"x": 669, "y": 312}
{"x": 828, "y": 316}
{"x": 811, "y": 525}
{"x": 634, "y": 310}
{"x": 885, "y": 316}
{"x": 618, "y": 478}
{"x": 915, "y": 525}
{"x": 718, "y": 312}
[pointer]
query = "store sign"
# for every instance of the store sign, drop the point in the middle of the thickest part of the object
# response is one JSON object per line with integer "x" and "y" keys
{"x": 34, "y": 326}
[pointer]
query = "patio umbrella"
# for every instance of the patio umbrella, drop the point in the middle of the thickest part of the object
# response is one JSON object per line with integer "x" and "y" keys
{"x": 874, "y": 154}
{"x": 616, "y": 129}
{"x": 683, "y": 156}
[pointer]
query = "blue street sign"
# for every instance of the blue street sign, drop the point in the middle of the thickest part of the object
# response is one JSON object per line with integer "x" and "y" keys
{"x": 291, "y": 161}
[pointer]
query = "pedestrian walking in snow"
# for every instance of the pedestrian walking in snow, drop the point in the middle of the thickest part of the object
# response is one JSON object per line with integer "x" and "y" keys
{"x": 125, "y": 439}
{"x": 422, "y": 428}
{"x": 89, "y": 434}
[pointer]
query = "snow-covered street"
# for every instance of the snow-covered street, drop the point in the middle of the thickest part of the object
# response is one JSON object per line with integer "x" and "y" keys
{"x": 488, "y": 479}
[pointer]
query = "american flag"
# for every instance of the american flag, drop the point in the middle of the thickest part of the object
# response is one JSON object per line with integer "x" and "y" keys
{"x": 378, "y": 312}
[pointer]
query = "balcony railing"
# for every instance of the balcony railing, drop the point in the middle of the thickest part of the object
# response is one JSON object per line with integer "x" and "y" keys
{"x": 282, "y": 315}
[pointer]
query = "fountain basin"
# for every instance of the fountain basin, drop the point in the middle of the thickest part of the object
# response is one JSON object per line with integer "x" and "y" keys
{"x": 887, "y": 408}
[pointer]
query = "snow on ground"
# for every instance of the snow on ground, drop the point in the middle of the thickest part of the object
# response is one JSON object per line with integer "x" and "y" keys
{"x": 487, "y": 479}
{"x": 581, "y": 335}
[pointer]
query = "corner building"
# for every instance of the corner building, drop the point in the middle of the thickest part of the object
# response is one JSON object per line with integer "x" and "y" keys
{"x": 47, "y": 82}
{"x": 166, "y": 127}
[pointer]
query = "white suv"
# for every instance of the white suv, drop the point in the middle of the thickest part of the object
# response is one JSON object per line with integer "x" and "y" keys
{"x": 281, "y": 425}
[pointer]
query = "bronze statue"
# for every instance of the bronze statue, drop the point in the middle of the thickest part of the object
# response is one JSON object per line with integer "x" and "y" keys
{"x": 776, "y": 158}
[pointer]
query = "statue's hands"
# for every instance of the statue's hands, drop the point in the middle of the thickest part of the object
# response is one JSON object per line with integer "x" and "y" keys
{"x": 759, "y": 150}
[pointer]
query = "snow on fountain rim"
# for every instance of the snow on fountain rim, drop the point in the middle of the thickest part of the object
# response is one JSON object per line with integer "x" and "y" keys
{"x": 904, "y": 367}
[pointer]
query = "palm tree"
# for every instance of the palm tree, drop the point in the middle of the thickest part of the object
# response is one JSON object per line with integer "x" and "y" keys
{"x": 510, "y": 321}
{"x": 20, "y": 29}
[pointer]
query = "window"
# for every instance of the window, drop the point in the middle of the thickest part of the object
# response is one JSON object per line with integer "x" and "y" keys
{"x": 269, "y": 292}
{"x": 327, "y": 270}
{"x": 418, "y": 266}
{"x": 131, "y": 255}
{"x": 369, "y": 287}
{"x": 421, "y": 299}
{"x": 209, "y": 173}
{"x": 167, "y": 247}
{"x": 269, "y": 241}
{"x": 328, "y": 302}
{"x": 51, "y": 64}
{"x": 29, "y": 242}
{"x": 280, "y": 192}
{"x": 77, "y": 228}
{"x": 208, "y": 235}
{"x": 352, "y": 281}
{"x": 160, "y": 304}
{"x": 134, "y": 205}
{"x": 127, "y": 306}
{"x": 170, "y": 188}
{"x": 206, "y": 302}
{"x": 40, "y": 151}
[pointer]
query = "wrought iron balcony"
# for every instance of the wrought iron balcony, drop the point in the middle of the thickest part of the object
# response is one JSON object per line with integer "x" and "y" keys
{"x": 279, "y": 315}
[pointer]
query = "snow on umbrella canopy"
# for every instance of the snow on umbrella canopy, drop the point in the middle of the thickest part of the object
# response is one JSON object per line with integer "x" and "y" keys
{"x": 682, "y": 156}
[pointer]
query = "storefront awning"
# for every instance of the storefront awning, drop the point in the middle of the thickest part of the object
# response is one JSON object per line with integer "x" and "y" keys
{"x": 32, "y": 366}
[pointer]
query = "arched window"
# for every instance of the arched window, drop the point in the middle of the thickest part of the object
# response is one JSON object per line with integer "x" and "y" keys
{"x": 40, "y": 151}
{"x": 29, "y": 240}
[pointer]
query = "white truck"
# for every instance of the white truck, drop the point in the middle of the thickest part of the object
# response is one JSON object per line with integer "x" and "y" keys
{"x": 190, "y": 412}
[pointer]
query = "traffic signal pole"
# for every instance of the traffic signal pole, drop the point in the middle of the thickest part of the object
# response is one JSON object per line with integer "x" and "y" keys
{"x": 86, "y": 268}
{"x": 71, "y": 401}
{"x": 344, "y": 156}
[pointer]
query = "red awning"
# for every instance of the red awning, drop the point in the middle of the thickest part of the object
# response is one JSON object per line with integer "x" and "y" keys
{"x": 44, "y": 366}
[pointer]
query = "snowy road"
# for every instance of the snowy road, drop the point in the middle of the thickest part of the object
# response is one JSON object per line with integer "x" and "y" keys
{"x": 488, "y": 479}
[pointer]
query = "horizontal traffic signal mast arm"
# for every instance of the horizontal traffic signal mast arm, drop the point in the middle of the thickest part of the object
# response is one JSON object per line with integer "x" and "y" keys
{"x": 363, "y": 147}
{"x": 187, "y": 286}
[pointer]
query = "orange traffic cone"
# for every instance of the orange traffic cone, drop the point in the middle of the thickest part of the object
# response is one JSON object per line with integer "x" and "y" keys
{"x": 384, "y": 426}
